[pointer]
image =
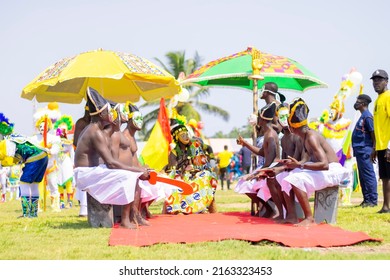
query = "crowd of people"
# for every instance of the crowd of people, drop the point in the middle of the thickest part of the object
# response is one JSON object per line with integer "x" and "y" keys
{"x": 293, "y": 162}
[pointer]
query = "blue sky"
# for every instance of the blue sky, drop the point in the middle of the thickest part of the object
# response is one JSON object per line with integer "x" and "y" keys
{"x": 329, "y": 38}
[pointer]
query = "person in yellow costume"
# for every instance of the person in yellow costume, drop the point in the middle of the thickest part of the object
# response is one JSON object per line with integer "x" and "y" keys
{"x": 187, "y": 161}
{"x": 45, "y": 139}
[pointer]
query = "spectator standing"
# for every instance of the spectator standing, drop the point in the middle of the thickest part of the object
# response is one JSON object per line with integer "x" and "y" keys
{"x": 223, "y": 162}
{"x": 363, "y": 144}
{"x": 246, "y": 159}
{"x": 380, "y": 79}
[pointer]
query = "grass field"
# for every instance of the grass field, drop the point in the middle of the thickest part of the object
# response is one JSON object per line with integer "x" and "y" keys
{"x": 65, "y": 236}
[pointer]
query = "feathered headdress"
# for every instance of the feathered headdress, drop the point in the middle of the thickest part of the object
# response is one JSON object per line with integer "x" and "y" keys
{"x": 65, "y": 121}
{"x": 6, "y": 127}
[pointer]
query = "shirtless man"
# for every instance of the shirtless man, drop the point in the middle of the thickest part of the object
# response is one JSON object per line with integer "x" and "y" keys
{"x": 124, "y": 148}
{"x": 291, "y": 147}
{"x": 111, "y": 183}
{"x": 322, "y": 168}
{"x": 268, "y": 93}
{"x": 81, "y": 123}
{"x": 270, "y": 151}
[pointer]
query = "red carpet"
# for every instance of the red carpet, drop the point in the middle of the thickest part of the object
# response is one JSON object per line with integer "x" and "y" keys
{"x": 239, "y": 226}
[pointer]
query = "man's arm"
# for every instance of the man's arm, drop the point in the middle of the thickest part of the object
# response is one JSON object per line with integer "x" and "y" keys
{"x": 253, "y": 149}
{"x": 318, "y": 153}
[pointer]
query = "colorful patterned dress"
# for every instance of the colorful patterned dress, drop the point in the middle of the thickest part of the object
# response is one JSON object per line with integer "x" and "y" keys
{"x": 202, "y": 179}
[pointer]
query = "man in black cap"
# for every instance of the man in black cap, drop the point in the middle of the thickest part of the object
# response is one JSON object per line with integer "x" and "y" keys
{"x": 321, "y": 170}
{"x": 363, "y": 144}
{"x": 113, "y": 182}
{"x": 270, "y": 94}
{"x": 380, "y": 79}
{"x": 270, "y": 151}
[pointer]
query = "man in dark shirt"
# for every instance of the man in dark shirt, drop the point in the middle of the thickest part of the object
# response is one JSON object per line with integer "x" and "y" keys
{"x": 363, "y": 143}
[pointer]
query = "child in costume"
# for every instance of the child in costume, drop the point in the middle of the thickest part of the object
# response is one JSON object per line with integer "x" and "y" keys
{"x": 65, "y": 160}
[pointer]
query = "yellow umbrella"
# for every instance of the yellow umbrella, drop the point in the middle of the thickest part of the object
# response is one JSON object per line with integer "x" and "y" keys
{"x": 117, "y": 76}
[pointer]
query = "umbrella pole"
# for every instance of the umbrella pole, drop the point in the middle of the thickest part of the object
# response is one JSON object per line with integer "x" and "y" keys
{"x": 254, "y": 134}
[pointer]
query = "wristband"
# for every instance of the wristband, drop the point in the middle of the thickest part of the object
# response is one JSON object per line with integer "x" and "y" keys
{"x": 301, "y": 166}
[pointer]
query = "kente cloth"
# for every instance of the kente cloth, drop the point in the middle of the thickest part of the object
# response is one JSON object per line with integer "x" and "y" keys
{"x": 108, "y": 186}
{"x": 310, "y": 181}
{"x": 204, "y": 184}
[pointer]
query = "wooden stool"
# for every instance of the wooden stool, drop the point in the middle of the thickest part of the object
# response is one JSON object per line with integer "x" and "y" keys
{"x": 99, "y": 215}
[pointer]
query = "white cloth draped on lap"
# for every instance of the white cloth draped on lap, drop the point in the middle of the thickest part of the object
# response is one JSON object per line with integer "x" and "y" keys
{"x": 310, "y": 181}
{"x": 254, "y": 186}
{"x": 108, "y": 186}
{"x": 262, "y": 189}
{"x": 155, "y": 192}
{"x": 243, "y": 186}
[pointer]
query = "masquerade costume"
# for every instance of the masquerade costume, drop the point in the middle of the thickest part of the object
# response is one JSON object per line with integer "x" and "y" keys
{"x": 6, "y": 128}
{"x": 47, "y": 140}
{"x": 65, "y": 160}
{"x": 203, "y": 180}
{"x": 17, "y": 149}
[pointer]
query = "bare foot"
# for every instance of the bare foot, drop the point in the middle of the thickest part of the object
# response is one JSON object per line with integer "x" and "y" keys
{"x": 141, "y": 221}
{"x": 145, "y": 213}
{"x": 128, "y": 225}
{"x": 278, "y": 218}
{"x": 308, "y": 222}
{"x": 290, "y": 221}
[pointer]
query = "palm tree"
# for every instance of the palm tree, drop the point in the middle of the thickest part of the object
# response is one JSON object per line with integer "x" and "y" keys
{"x": 177, "y": 64}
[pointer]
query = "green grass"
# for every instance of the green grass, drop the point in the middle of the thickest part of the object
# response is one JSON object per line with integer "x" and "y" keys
{"x": 65, "y": 236}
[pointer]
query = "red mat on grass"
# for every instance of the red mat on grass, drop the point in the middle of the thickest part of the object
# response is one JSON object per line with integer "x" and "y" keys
{"x": 239, "y": 226}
